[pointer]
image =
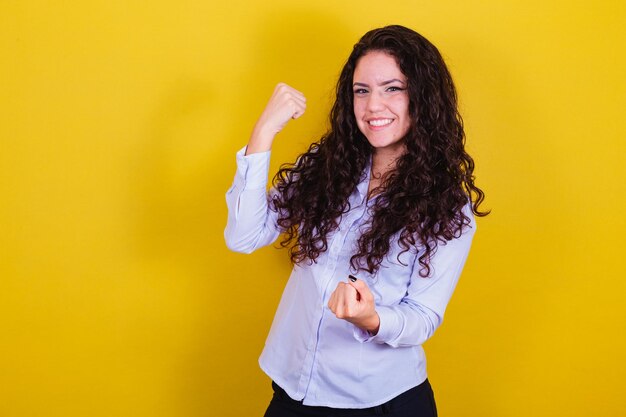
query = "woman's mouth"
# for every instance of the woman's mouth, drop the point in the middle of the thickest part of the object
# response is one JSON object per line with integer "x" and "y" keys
{"x": 378, "y": 123}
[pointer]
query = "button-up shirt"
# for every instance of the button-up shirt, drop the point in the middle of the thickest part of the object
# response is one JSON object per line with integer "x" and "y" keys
{"x": 316, "y": 357}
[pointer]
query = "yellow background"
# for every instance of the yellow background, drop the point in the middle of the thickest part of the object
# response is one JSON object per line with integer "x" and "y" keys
{"x": 119, "y": 123}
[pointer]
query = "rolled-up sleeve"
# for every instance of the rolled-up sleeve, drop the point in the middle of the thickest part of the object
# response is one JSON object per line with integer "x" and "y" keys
{"x": 251, "y": 222}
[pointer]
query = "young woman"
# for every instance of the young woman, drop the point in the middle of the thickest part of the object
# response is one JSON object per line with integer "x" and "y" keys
{"x": 379, "y": 218}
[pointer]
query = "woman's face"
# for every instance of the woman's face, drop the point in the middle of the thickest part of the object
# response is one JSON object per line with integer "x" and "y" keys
{"x": 381, "y": 102}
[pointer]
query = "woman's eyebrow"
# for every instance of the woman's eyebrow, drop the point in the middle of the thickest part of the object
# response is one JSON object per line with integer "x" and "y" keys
{"x": 380, "y": 84}
{"x": 391, "y": 81}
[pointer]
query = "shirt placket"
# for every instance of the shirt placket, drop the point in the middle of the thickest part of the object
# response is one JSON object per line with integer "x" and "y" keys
{"x": 328, "y": 284}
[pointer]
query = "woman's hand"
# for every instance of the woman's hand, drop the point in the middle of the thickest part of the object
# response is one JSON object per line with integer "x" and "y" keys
{"x": 354, "y": 302}
{"x": 285, "y": 104}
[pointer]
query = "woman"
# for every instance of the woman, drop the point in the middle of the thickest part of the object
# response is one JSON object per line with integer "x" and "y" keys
{"x": 379, "y": 218}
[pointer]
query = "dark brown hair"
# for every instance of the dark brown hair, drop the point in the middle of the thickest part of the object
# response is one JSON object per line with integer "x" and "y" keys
{"x": 421, "y": 200}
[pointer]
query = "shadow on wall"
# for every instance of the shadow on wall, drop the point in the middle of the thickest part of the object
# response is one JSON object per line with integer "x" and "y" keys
{"x": 174, "y": 193}
{"x": 183, "y": 171}
{"x": 183, "y": 176}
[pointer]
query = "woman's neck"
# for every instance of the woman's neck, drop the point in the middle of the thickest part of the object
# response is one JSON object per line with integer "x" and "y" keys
{"x": 383, "y": 163}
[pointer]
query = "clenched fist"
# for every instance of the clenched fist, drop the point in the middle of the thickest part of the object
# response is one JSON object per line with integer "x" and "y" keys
{"x": 285, "y": 104}
{"x": 354, "y": 302}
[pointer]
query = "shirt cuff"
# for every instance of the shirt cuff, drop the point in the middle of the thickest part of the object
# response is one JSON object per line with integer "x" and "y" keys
{"x": 253, "y": 169}
{"x": 386, "y": 331}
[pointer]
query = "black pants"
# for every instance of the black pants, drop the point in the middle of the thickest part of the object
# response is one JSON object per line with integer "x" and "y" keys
{"x": 416, "y": 402}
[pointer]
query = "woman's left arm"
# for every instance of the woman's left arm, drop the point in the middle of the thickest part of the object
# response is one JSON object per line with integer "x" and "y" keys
{"x": 420, "y": 312}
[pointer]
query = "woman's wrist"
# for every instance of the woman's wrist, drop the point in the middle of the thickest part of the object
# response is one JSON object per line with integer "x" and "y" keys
{"x": 372, "y": 324}
{"x": 260, "y": 141}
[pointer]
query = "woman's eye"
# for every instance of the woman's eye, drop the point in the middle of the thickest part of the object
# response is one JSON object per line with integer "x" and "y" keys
{"x": 360, "y": 91}
{"x": 394, "y": 88}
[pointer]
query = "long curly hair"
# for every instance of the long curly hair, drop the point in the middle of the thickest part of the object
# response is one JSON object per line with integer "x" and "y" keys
{"x": 420, "y": 201}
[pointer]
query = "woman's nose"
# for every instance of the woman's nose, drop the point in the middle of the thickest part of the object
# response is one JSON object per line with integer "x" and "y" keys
{"x": 375, "y": 102}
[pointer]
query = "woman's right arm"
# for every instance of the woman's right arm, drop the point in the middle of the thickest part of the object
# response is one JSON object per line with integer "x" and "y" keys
{"x": 251, "y": 223}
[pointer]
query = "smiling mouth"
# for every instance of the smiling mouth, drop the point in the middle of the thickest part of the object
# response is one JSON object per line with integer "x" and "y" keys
{"x": 379, "y": 122}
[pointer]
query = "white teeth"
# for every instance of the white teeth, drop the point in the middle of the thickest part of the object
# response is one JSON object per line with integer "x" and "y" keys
{"x": 380, "y": 122}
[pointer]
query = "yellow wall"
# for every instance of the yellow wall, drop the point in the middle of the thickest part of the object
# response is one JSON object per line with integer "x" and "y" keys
{"x": 119, "y": 121}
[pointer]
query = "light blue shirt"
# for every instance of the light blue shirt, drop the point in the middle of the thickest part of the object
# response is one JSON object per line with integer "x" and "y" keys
{"x": 310, "y": 353}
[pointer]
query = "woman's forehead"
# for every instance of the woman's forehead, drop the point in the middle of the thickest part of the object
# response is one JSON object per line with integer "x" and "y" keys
{"x": 379, "y": 67}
